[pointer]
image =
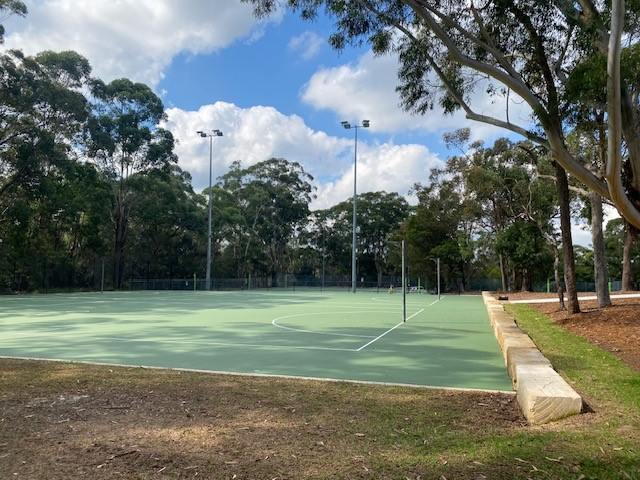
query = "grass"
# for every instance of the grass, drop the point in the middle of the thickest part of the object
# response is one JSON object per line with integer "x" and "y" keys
{"x": 61, "y": 420}
{"x": 600, "y": 377}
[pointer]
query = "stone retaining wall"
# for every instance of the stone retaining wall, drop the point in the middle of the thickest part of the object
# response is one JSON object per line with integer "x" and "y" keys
{"x": 544, "y": 396}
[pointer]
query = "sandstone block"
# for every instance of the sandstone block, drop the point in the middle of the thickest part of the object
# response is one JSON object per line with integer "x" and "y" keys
{"x": 544, "y": 396}
{"x": 524, "y": 356}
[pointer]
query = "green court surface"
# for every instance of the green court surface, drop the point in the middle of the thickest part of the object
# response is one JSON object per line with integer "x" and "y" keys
{"x": 329, "y": 335}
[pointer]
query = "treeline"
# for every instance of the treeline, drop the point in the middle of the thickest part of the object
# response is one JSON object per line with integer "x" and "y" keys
{"x": 89, "y": 183}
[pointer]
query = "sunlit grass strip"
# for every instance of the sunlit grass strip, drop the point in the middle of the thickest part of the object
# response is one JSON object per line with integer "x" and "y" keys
{"x": 597, "y": 375}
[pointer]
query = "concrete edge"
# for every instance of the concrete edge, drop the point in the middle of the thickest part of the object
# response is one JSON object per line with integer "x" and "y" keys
{"x": 543, "y": 395}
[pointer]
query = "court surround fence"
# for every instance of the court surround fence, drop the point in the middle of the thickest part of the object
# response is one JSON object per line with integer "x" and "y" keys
{"x": 291, "y": 281}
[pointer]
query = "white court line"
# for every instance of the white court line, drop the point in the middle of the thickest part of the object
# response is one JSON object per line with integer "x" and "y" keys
{"x": 275, "y": 323}
{"x": 388, "y": 331}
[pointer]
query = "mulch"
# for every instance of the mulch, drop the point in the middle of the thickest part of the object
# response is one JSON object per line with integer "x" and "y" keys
{"x": 615, "y": 329}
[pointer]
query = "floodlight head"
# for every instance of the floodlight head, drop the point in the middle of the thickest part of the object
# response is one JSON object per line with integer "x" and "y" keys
{"x": 365, "y": 123}
{"x": 346, "y": 124}
{"x": 217, "y": 133}
{"x": 201, "y": 133}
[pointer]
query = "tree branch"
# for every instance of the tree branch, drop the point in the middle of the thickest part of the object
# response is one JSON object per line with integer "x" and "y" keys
{"x": 614, "y": 118}
{"x": 515, "y": 84}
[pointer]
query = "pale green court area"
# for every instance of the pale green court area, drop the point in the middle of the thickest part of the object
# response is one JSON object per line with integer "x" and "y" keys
{"x": 328, "y": 335}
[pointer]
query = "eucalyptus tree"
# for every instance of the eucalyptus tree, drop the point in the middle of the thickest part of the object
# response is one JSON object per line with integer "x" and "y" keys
{"x": 525, "y": 246}
{"x": 123, "y": 140}
{"x": 527, "y": 48}
{"x": 523, "y": 48}
{"x": 623, "y": 257}
{"x": 42, "y": 112}
{"x": 433, "y": 228}
{"x": 379, "y": 215}
{"x": 332, "y": 234}
{"x": 9, "y": 8}
{"x": 501, "y": 190}
{"x": 167, "y": 226}
{"x": 272, "y": 198}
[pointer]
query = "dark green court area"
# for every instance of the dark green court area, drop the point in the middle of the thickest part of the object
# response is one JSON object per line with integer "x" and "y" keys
{"x": 328, "y": 335}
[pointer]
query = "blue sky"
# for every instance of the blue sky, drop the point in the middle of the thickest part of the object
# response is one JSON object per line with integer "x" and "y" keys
{"x": 274, "y": 87}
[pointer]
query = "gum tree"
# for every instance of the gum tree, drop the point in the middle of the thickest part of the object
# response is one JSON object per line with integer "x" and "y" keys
{"x": 9, "y": 8}
{"x": 123, "y": 141}
{"x": 524, "y": 49}
{"x": 265, "y": 203}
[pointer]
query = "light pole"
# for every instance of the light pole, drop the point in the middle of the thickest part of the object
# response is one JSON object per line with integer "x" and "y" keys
{"x": 437, "y": 260}
{"x": 214, "y": 133}
{"x": 348, "y": 126}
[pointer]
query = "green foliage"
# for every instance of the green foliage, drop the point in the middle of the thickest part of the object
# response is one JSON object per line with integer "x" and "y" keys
{"x": 123, "y": 140}
{"x": 8, "y": 8}
{"x": 167, "y": 233}
{"x": 262, "y": 206}
{"x": 379, "y": 215}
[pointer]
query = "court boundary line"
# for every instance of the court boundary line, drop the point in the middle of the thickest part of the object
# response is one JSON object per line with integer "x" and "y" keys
{"x": 388, "y": 331}
{"x": 276, "y": 324}
{"x": 264, "y": 375}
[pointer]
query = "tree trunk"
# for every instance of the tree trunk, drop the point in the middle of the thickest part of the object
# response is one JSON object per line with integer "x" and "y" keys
{"x": 567, "y": 242}
{"x": 599, "y": 258}
{"x": 376, "y": 261}
{"x": 631, "y": 233}
{"x": 556, "y": 275}
{"x": 121, "y": 231}
{"x": 526, "y": 280}
{"x": 504, "y": 274}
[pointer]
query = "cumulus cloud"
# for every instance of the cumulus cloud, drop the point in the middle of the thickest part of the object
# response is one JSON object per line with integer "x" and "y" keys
{"x": 366, "y": 89}
{"x": 136, "y": 39}
{"x": 386, "y": 167}
{"x": 251, "y": 135}
{"x": 255, "y": 134}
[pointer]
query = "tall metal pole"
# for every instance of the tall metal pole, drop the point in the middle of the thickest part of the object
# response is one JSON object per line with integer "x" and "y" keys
{"x": 353, "y": 240}
{"x": 323, "y": 261}
{"x": 208, "y": 284}
{"x": 404, "y": 285}
{"x": 438, "y": 278}
{"x": 348, "y": 126}
{"x": 214, "y": 133}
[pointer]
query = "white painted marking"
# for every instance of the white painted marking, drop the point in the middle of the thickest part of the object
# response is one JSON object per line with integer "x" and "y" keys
{"x": 417, "y": 313}
{"x": 388, "y": 331}
{"x": 275, "y": 323}
{"x": 379, "y": 336}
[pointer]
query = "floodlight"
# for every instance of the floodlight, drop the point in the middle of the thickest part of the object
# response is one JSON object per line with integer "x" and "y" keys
{"x": 214, "y": 133}
{"x": 348, "y": 126}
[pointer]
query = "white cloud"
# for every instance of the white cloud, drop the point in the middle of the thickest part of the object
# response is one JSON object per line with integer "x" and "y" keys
{"x": 388, "y": 167}
{"x": 136, "y": 39}
{"x": 307, "y": 45}
{"x": 258, "y": 133}
{"x": 251, "y": 135}
{"x": 367, "y": 90}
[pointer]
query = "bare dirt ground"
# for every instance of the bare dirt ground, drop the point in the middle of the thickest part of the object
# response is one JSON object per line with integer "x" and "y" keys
{"x": 615, "y": 329}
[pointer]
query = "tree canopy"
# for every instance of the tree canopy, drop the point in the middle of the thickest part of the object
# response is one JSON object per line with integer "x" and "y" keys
{"x": 525, "y": 48}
